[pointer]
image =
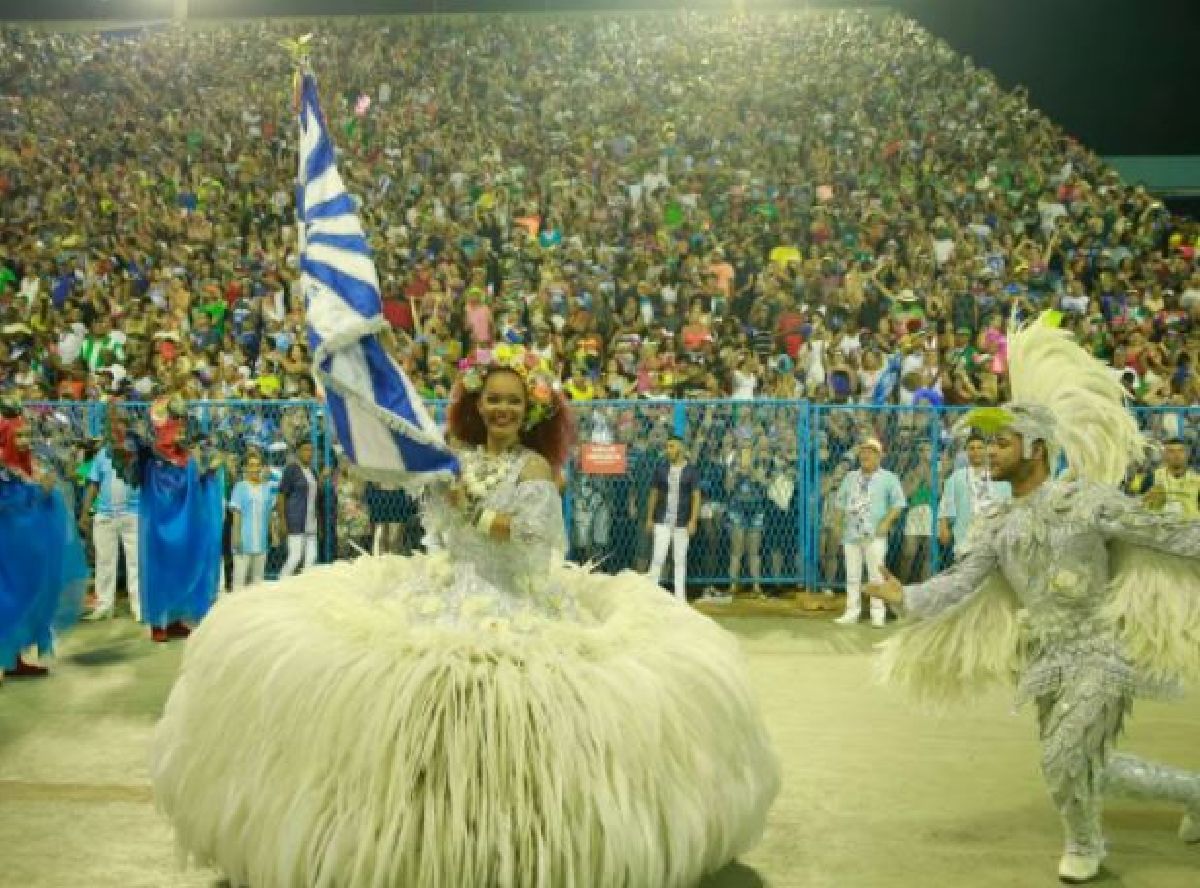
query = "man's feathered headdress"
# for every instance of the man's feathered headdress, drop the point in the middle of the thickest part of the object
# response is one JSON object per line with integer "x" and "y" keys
{"x": 1065, "y": 397}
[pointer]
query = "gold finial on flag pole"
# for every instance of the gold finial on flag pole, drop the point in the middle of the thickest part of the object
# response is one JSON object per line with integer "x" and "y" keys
{"x": 300, "y": 49}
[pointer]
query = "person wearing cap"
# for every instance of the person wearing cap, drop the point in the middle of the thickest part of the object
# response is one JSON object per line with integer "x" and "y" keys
{"x": 870, "y": 501}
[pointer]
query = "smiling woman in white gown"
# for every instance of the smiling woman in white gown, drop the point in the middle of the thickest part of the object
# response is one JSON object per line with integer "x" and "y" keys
{"x": 483, "y": 715}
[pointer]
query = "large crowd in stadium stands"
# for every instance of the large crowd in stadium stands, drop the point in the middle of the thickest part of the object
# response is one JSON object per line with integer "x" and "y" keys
{"x": 668, "y": 207}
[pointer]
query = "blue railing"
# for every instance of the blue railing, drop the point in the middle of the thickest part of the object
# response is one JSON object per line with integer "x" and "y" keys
{"x": 797, "y": 452}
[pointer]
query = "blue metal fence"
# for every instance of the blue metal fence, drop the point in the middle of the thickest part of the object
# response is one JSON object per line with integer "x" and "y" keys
{"x": 769, "y": 471}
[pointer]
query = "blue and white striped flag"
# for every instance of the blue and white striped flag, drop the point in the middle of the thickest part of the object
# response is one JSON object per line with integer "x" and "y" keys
{"x": 378, "y": 416}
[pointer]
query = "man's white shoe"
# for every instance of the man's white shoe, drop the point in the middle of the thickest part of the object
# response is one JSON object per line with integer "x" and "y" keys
{"x": 1189, "y": 827}
{"x": 847, "y": 619}
{"x": 879, "y": 622}
{"x": 1076, "y": 868}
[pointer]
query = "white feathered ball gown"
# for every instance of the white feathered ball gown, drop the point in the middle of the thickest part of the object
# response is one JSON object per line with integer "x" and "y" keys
{"x": 484, "y": 717}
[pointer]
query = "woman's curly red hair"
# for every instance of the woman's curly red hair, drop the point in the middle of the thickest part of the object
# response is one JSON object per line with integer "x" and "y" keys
{"x": 551, "y": 438}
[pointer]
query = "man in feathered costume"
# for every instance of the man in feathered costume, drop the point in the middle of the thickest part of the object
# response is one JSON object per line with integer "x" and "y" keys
{"x": 1071, "y": 588}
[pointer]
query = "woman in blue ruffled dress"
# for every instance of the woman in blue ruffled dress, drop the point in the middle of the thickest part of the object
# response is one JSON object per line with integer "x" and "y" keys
{"x": 43, "y": 570}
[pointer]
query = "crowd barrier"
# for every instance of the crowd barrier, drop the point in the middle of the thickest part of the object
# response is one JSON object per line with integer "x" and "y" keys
{"x": 769, "y": 472}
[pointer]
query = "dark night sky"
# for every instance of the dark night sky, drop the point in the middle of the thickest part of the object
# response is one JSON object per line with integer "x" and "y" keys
{"x": 1120, "y": 75}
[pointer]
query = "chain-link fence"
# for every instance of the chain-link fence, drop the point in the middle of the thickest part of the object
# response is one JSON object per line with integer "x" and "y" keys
{"x": 768, "y": 474}
{"x": 919, "y": 449}
{"x": 68, "y": 437}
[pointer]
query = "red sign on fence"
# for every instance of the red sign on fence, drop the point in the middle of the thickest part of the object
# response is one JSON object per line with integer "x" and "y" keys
{"x": 603, "y": 459}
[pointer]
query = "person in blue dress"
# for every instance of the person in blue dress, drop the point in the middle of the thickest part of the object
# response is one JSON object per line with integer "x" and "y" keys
{"x": 43, "y": 570}
{"x": 181, "y": 516}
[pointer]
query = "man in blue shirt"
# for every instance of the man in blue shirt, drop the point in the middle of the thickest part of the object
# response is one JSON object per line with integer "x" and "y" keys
{"x": 869, "y": 502}
{"x": 252, "y": 503}
{"x": 114, "y": 525}
{"x": 968, "y": 492}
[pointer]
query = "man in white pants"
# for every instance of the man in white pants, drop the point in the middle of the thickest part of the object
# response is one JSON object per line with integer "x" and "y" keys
{"x": 114, "y": 530}
{"x": 252, "y": 503}
{"x": 297, "y": 507}
{"x": 869, "y": 501}
{"x": 672, "y": 512}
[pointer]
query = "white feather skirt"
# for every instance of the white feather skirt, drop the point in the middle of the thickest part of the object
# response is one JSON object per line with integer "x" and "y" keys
{"x": 321, "y": 734}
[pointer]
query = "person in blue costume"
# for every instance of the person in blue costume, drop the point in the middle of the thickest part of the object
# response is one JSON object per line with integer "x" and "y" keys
{"x": 180, "y": 518}
{"x": 43, "y": 571}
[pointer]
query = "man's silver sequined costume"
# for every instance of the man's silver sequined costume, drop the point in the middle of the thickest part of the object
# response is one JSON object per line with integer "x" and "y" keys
{"x": 1052, "y": 548}
{"x": 1073, "y": 590}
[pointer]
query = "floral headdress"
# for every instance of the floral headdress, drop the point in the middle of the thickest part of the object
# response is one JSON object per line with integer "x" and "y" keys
{"x": 539, "y": 377}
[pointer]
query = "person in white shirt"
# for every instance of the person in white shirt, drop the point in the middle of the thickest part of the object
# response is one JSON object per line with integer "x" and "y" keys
{"x": 672, "y": 512}
{"x": 114, "y": 531}
{"x": 869, "y": 503}
{"x": 745, "y": 378}
{"x": 252, "y": 504}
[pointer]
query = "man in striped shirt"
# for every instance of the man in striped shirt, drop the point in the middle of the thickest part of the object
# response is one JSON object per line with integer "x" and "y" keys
{"x": 252, "y": 503}
{"x": 102, "y": 346}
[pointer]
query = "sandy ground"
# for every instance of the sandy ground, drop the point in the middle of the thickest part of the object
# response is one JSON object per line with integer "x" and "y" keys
{"x": 874, "y": 793}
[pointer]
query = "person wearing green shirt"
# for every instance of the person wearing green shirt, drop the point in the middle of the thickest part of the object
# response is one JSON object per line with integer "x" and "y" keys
{"x": 102, "y": 346}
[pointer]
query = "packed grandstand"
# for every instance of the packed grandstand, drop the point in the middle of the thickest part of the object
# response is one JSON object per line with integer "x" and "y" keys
{"x": 666, "y": 207}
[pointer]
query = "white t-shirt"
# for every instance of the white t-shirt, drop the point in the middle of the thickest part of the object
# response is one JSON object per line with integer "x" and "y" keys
{"x": 310, "y": 512}
{"x": 981, "y": 489}
{"x": 602, "y": 432}
{"x": 744, "y": 385}
{"x": 1049, "y": 213}
{"x": 911, "y": 363}
{"x": 671, "y": 515}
